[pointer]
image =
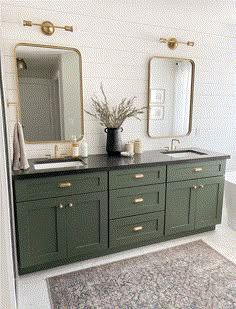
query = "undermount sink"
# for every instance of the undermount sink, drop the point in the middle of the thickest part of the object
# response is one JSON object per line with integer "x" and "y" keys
{"x": 60, "y": 163}
{"x": 184, "y": 153}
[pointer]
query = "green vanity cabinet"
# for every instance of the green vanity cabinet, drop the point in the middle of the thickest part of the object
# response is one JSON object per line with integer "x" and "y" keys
{"x": 56, "y": 229}
{"x": 87, "y": 218}
{"x": 136, "y": 205}
{"x": 196, "y": 203}
{"x": 41, "y": 227}
{"x": 67, "y": 217}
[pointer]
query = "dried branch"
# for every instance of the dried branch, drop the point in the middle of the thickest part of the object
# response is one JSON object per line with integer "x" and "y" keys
{"x": 115, "y": 116}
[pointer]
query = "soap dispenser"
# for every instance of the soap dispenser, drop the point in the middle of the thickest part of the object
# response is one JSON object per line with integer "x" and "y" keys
{"x": 74, "y": 147}
{"x": 84, "y": 148}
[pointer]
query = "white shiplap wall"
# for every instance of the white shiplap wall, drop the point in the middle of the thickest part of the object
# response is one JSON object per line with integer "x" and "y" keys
{"x": 116, "y": 39}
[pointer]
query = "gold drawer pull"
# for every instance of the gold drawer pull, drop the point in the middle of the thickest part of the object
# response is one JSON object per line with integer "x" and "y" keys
{"x": 198, "y": 169}
{"x": 64, "y": 184}
{"x": 138, "y": 176}
{"x": 194, "y": 187}
{"x": 137, "y": 228}
{"x": 138, "y": 200}
{"x": 201, "y": 186}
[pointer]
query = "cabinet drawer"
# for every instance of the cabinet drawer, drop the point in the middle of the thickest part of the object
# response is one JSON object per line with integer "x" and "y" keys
{"x": 136, "y": 177}
{"x": 136, "y": 201}
{"x": 45, "y": 187}
{"x": 195, "y": 170}
{"x": 136, "y": 229}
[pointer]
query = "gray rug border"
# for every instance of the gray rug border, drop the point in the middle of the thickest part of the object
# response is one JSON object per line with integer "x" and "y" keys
{"x": 134, "y": 257}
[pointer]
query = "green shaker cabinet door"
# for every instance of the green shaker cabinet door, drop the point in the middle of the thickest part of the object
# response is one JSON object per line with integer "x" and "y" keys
{"x": 41, "y": 231}
{"x": 180, "y": 206}
{"x": 87, "y": 223}
{"x": 209, "y": 202}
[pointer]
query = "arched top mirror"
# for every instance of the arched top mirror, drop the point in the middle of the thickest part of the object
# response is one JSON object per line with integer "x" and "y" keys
{"x": 49, "y": 80}
{"x": 170, "y": 102}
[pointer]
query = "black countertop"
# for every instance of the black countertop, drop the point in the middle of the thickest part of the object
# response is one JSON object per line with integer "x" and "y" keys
{"x": 105, "y": 163}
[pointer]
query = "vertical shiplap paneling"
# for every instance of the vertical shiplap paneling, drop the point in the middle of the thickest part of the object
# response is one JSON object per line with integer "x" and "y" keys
{"x": 116, "y": 39}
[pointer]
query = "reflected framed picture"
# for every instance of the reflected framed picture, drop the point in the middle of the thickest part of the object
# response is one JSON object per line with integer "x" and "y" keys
{"x": 157, "y": 96}
{"x": 156, "y": 113}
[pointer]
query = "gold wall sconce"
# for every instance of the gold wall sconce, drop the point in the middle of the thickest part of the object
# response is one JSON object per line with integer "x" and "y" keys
{"x": 47, "y": 27}
{"x": 173, "y": 43}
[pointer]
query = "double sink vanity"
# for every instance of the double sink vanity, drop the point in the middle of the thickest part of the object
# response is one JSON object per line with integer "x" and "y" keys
{"x": 84, "y": 209}
{"x": 70, "y": 210}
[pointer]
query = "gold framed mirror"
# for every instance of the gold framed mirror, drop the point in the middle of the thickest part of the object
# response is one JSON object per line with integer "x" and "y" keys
{"x": 50, "y": 92}
{"x": 170, "y": 96}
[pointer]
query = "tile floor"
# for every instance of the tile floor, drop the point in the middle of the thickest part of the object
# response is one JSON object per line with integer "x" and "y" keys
{"x": 32, "y": 288}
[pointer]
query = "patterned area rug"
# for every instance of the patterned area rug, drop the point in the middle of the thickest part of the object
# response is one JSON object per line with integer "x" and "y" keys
{"x": 192, "y": 275}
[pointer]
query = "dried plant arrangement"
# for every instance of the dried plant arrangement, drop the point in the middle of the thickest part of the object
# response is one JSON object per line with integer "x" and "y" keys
{"x": 113, "y": 117}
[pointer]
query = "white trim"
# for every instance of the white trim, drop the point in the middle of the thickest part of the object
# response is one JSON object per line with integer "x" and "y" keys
{"x": 7, "y": 279}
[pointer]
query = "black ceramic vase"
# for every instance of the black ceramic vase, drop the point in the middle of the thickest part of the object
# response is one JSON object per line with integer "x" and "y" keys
{"x": 114, "y": 144}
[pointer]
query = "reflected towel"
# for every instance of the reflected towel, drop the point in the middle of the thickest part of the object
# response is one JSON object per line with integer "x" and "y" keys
{"x": 20, "y": 161}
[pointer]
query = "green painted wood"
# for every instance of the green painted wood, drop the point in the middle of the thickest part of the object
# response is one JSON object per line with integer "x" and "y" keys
{"x": 179, "y": 172}
{"x": 87, "y": 223}
{"x": 126, "y": 178}
{"x": 121, "y": 231}
{"x": 209, "y": 202}
{"x": 123, "y": 201}
{"x": 40, "y": 232}
{"x": 180, "y": 206}
{"x": 45, "y": 187}
{"x": 110, "y": 251}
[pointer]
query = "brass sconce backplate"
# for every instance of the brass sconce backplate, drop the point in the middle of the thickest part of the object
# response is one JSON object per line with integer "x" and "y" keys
{"x": 47, "y": 28}
{"x": 172, "y": 43}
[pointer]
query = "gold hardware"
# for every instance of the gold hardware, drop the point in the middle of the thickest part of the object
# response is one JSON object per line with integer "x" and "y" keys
{"x": 198, "y": 169}
{"x": 137, "y": 228}
{"x": 194, "y": 187}
{"x": 61, "y": 206}
{"x": 70, "y": 205}
{"x": 47, "y": 27}
{"x": 201, "y": 186}
{"x": 138, "y": 176}
{"x": 173, "y": 43}
{"x": 55, "y": 151}
{"x": 138, "y": 200}
{"x": 172, "y": 143}
{"x": 64, "y": 184}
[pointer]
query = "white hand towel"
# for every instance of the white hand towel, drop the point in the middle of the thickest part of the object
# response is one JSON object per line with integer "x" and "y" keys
{"x": 20, "y": 161}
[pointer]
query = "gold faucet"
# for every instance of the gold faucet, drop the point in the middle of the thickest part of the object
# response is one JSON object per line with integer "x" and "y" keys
{"x": 55, "y": 151}
{"x": 172, "y": 147}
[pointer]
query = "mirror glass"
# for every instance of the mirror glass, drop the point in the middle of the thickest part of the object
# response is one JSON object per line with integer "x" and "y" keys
{"x": 170, "y": 96}
{"x": 50, "y": 92}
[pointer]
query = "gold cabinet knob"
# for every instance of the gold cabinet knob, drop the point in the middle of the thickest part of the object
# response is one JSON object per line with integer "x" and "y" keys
{"x": 137, "y": 228}
{"x": 60, "y": 206}
{"x": 201, "y": 186}
{"x": 70, "y": 205}
{"x": 194, "y": 187}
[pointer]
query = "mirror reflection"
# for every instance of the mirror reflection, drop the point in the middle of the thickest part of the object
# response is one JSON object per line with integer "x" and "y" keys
{"x": 170, "y": 97}
{"x": 50, "y": 92}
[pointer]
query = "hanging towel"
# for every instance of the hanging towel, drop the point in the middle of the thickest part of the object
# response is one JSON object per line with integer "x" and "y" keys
{"x": 20, "y": 161}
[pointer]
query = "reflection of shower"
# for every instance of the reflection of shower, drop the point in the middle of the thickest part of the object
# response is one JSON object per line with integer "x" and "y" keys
{"x": 21, "y": 64}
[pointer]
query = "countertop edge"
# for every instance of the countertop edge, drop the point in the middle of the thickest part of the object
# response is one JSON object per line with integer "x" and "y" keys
{"x": 99, "y": 163}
